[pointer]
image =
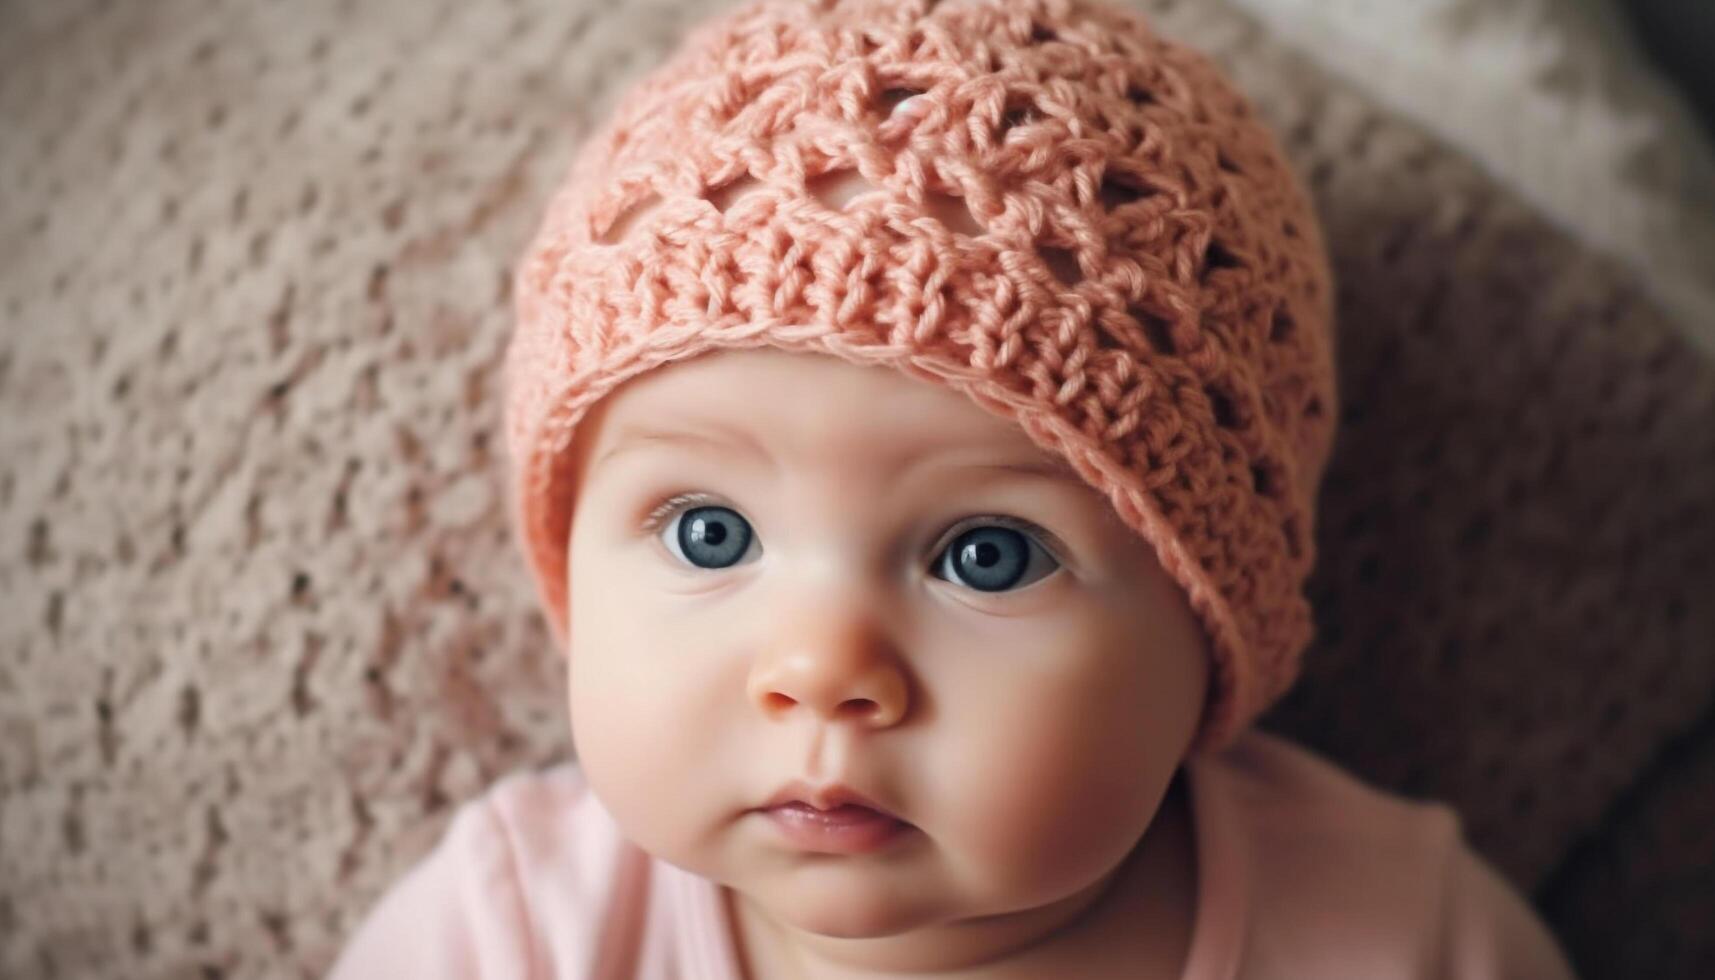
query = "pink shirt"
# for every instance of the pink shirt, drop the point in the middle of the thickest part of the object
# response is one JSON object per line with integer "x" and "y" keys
{"x": 1303, "y": 871}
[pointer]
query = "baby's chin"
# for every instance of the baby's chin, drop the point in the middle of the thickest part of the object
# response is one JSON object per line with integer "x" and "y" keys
{"x": 827, "y": 895}
{"x": 848, "y": 901}
{"x": 842, "y": 905}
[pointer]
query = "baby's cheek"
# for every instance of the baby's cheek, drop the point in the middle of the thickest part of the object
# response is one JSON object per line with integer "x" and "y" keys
{"x": 622, "y": 744}
{"x": 1044, "y": 798}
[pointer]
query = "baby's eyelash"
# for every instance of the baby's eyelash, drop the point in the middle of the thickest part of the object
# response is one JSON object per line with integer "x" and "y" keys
{"x": 670, "y": 507}
{"x": 667, "y": 508}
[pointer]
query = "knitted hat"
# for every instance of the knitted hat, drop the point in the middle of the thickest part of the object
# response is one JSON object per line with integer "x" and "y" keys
{"x": 1080, "y": 225}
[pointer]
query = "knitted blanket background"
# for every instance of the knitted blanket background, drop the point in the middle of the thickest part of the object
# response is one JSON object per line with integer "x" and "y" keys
{"x": 262, "y": 625}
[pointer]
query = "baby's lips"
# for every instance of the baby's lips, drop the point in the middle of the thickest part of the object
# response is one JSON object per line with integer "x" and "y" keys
{"x": 827, "y": 796}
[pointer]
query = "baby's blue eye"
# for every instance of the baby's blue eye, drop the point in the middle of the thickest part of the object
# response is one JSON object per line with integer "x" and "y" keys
{"x": 991, "y": 557}
{"x": 712, "y": 537}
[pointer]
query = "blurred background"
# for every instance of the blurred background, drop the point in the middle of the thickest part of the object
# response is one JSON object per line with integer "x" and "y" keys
{"x": 262, "y": 626}
{"x": 1678, "y": 36}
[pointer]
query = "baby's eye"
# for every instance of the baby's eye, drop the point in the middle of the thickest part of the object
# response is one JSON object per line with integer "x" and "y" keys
{"x": 994, "y": 557}
{"x": 708, "y": 537}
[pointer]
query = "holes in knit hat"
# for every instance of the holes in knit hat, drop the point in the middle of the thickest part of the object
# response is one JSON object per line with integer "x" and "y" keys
{"x": 1218, "y": 256}
{"x": 628, "y": 218}
{"x": 1267, "y": 477}
{"x": 952, "y": 212}
{"x": 1041, "y": 33}
{"x": 1222, "y": 403}
{"x": 1158, "y": 329}
{"x": 1119, "y": 190}
{"x": 1282, "y": 326}
{"x": 724, "y": 196}
{"x": 836, "y": 187}
{"x": 1225, "y": 162}
{"x": 1140, "y": 95}
{"x": 890, "y": 99}
{"x": 1063, "y": 263}
{"x": 1020, "y": 109}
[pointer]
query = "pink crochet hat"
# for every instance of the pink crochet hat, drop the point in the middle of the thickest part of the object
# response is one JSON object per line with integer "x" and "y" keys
{"x": 1077, "y": 223}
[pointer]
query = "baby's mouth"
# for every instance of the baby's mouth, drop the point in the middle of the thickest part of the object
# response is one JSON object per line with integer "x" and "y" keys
{"x": 831, "y": 819}
{"x": 846, "y": 829}
{"x": 825, "y": 798}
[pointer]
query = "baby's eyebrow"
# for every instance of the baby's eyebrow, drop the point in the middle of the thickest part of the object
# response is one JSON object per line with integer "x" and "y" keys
{"x": 1045, "y": 467}
{"x": 1052, "y": 469}
{"x": 635, "y": 437}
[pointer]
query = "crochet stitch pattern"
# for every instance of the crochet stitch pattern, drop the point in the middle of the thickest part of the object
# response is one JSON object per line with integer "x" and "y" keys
{"x": 1077, "y": 223}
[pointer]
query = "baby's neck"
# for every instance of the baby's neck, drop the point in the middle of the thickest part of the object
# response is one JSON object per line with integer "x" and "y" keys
{"x": 1138, "y": 925}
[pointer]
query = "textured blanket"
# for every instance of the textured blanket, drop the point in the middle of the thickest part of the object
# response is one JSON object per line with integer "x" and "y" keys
{"x": 262, "y": 626}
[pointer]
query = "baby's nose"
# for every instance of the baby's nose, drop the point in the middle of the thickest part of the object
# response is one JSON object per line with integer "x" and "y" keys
{"x": 839, "y": 667}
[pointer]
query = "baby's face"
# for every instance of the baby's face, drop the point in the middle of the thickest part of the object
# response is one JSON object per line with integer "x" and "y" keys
{"x": 857, "y": 591}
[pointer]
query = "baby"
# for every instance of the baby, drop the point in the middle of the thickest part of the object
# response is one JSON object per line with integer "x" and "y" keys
{"x": 916, "y": 414}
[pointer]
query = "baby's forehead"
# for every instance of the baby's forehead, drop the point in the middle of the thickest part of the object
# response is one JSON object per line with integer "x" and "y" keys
{"x": 665, "y": 434}
{"x": 808, "y": 406}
